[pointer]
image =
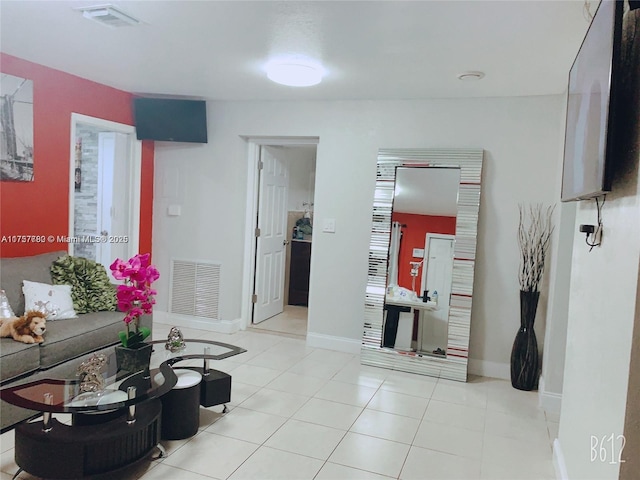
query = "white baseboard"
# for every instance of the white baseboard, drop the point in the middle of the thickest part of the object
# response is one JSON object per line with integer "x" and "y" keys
{"x": 550, "y": 402}
{"x": 329, "y": 342}
{"x": 185, "y": 321}
{"x": 558, "y": 461}
{"x": 485, "y": 368}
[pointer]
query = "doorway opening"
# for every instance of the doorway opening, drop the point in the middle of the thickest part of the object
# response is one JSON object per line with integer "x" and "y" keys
{"x": 280, "y": 213}
{"x": 104, "y": 193}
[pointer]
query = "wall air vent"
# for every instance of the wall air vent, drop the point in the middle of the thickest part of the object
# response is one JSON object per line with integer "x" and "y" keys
{"x": 195, "y": 289}
{"x": 109, "y": 16}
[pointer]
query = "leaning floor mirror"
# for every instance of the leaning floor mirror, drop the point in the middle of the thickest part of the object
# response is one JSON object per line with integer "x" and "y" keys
{"x": 422, "y": 260}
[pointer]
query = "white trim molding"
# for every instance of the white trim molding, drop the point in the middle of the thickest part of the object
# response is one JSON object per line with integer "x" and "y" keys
{"x": 185, "y": 321}
{"x": 558, "y": 461}
{"x": 329, "y": 342}
{"x": 484, "y": 368}
{"x": 550, "y": 402}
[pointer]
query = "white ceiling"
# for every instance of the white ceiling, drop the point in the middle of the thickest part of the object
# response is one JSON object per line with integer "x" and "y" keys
{"x": 371, "y": 49}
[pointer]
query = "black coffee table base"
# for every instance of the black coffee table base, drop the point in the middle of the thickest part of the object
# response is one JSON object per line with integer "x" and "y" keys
{"x": 82, "y": 451}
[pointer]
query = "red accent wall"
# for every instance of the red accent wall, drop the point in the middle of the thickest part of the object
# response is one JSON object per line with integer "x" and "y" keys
{"x": 413, "y": 236}
{"x": 41, "y": 207}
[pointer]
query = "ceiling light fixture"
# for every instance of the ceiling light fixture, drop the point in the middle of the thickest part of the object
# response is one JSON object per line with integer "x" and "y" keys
{"x": 470, "y": 76}
{"x": 108, "y": 15}
{"x": 295, "y": 73}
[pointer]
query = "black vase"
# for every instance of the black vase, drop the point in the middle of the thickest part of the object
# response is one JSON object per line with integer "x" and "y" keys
{"x": 133, "y": 360}
{"x": 524, "y": 354}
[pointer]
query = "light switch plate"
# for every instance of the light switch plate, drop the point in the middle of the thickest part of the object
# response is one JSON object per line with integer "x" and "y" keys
{"x": 174, "y": 210}
{"x": 329, "y": 225}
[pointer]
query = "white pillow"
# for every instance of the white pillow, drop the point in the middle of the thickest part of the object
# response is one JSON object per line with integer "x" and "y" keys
{"x": 53, "y": 300}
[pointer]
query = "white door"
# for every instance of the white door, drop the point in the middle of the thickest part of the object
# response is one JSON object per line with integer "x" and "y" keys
{"x": 271, "y": 241}
{"x": 437, "y": 276}
{"x": 113, "y": 198}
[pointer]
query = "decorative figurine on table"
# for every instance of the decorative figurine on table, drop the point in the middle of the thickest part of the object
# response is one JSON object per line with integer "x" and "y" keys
{"x": 175, "y": 340}
{"x": 91, "y": 379}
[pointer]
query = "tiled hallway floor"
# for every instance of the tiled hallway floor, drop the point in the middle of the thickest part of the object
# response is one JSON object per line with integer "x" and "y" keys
{"x": 305, "y": 413}
{"x": 293, "y": 321}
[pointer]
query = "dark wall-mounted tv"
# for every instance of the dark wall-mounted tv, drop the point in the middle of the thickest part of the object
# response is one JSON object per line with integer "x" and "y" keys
{"x": 171, "y": 120}
{"x": 593, "y": 100}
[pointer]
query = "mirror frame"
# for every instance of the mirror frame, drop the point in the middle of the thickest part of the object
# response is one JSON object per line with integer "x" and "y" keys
{"x": 454, "y": 365}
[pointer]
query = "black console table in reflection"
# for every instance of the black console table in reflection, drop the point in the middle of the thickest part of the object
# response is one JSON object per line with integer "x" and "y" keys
{"x": 391, "y": 324}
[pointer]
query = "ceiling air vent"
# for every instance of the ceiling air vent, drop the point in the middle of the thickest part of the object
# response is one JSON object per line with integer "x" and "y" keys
{"x": 109, "y": 15}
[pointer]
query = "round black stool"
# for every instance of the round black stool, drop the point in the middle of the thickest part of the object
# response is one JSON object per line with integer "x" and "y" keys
{"x": 181, "y": 406}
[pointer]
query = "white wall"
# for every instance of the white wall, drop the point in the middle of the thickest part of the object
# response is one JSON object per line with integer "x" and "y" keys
{"x": 552, "y": 379}
{"x": 520, "y": 137}
{"x": 559, "y": 272}
{"x": 602, "y": 360}
{"x": 601, "y": 318}
{"x": 631, "y": 466}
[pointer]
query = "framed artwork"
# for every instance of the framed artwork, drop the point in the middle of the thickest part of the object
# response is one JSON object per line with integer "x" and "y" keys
{"x": 16, "y": 128}
{"x": 78, "y": 164}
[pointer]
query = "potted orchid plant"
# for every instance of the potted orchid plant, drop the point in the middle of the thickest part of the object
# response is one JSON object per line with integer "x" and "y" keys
{"x": 135, "y": 296}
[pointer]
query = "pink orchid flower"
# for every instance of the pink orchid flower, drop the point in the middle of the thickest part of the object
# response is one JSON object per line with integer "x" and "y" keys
{"x": 118, "y": 268}
{"x": 135, "y": 296}
{"x": 144, "y": 259}
{"x": 152, "y": 274}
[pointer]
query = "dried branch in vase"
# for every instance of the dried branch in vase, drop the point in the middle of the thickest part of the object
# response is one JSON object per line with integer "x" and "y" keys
{"x": 534, "y": 235}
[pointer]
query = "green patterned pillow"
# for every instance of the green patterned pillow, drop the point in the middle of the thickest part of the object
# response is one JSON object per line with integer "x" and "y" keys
{"x": 63, "y": 273}
{"x": 91, "y": 290}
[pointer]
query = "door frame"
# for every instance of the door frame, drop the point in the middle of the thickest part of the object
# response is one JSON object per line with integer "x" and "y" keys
{"x": 135, "y": 176}
{"x": 255, "y": 143}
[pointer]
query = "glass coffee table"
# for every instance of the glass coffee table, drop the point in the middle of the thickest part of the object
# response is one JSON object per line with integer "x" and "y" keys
{"x": 115, "y": 425}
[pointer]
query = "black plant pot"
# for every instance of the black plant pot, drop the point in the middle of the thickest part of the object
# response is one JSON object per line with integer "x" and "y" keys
{"x": 524, "y": 354}
{"x": 133, "y": 360}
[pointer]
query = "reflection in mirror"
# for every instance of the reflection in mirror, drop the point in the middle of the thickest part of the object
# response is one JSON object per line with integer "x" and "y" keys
{"x": 423, "y": 227}
{"x": 411, "y": 260}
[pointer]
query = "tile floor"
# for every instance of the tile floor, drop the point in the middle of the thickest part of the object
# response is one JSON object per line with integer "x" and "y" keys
{"x": 293, "y": 321}
{"x": 305, "y": 413}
